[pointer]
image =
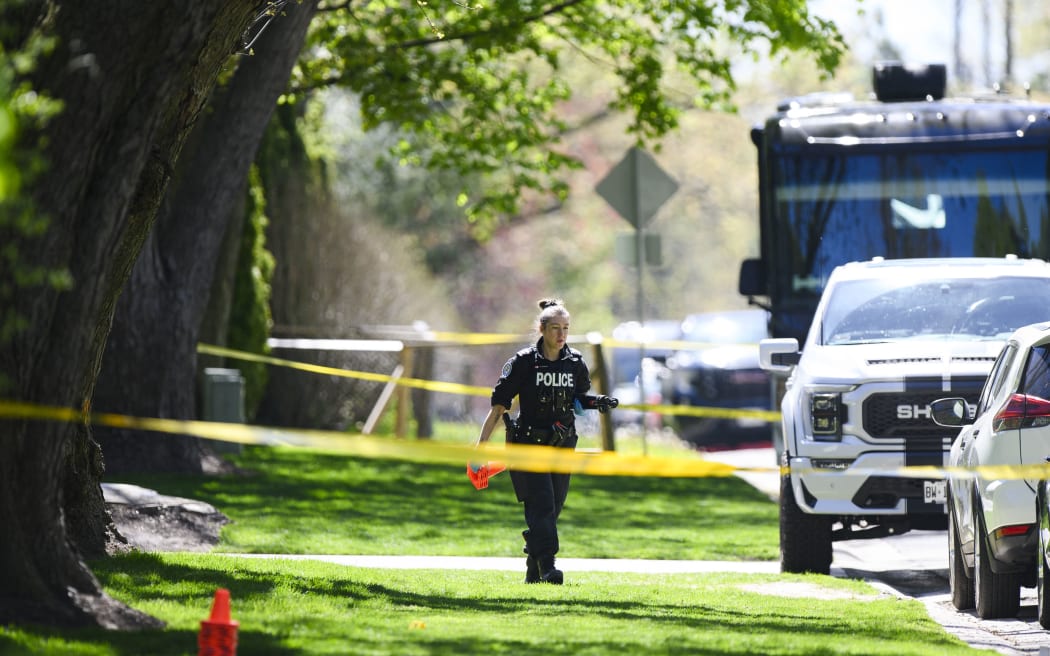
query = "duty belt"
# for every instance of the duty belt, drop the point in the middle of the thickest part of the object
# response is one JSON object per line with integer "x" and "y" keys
{"x": 534, "y": 435}
{"x": 553, "y": 436}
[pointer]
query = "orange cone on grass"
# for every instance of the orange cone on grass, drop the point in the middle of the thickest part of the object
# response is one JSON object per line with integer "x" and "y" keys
{"x": 218, "y": 636}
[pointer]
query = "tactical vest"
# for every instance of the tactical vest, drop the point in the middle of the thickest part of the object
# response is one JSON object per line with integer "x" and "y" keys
{"x": 546, "y": 389}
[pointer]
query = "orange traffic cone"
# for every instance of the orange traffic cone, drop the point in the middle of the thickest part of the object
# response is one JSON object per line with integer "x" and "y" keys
{"x": 218, "y": 636}
{"x": 496, "y": 467}
{"x": 479, "y": 475}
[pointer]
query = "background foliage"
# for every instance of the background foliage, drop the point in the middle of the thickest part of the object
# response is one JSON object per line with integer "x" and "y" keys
{"x": 250, "y": 315}
{"x": 22, "y": 111}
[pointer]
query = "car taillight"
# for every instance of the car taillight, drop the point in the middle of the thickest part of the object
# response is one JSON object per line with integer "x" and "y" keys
{"x": 1022, "y": 411}
{"x": 1011, "y": 531}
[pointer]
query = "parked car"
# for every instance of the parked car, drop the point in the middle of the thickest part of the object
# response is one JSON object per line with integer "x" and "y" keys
{"x": 722, "y": 371}
{"x": 651, "y": 380}
{"x": 889, "y": 337}
{"x": 995, "y": 544}
{"x": 637, "y": 363}
{"x": 1042, "y": 565}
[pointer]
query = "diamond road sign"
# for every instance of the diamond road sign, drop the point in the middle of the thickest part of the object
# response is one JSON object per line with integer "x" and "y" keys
{"x": 637, "y": 187}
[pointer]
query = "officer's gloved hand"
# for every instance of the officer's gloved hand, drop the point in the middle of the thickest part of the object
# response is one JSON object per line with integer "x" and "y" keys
{"x": 604, "y": 403}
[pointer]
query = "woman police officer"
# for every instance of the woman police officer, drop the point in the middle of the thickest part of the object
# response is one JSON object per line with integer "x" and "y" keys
{"x": 551, "y": 381}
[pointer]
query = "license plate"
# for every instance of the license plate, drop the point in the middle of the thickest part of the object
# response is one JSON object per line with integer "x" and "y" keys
{"x": 935, "y": 491}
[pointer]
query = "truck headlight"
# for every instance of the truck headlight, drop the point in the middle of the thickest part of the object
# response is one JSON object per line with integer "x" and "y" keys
{"x": 825, "y": 412}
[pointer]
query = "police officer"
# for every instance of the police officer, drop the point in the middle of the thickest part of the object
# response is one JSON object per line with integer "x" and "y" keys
{"x": 551, "y": 381}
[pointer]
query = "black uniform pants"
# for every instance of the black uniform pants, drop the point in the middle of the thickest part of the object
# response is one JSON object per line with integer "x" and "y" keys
{"x": 544, "y": 496}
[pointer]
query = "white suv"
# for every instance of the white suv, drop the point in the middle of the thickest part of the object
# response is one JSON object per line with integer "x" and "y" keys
{"x": 993, "y": 537}
{"x": 888, "y": 338}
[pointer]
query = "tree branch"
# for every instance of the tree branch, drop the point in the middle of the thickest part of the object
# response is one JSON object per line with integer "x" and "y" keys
{"x": 465, "y": 36}
{"x": 416, "y": 43}
{"x": 325, "y": 7}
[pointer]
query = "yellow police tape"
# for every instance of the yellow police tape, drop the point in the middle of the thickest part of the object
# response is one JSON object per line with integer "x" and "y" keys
{"x": 432, "y": 385}
{"x": 474, "y": 390}
{"x": 515, "y": 456}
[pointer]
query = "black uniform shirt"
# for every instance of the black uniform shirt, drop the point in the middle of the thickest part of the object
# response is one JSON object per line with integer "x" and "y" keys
{"x": 546, "y": 388}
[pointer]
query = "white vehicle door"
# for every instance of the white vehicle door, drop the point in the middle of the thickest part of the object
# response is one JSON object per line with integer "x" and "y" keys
{"x": 1035, "y": 435}
{"x": 974, "y": 438}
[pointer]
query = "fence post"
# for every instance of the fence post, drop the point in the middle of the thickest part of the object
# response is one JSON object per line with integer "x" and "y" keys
{"x": 600, "y": 376}
{"x": 403, "y": 394}
{"x": 423, "y": 399}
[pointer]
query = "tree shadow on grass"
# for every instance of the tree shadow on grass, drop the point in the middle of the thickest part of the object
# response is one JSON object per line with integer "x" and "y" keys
{"x": 285, "y": 610}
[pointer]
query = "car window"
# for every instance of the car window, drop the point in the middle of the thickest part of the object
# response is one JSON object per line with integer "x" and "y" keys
{"x": 996, "y": 377}
{"x": 899, "y": 307}
{"x": 1037, "y": 372}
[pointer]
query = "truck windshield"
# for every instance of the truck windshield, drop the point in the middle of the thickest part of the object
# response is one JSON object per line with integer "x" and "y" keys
{"x": 902, "y": 307}
{"x": 831, "y": 208}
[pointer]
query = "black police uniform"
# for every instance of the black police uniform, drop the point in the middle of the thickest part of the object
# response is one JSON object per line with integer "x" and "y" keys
{"x": 549, "y": 394}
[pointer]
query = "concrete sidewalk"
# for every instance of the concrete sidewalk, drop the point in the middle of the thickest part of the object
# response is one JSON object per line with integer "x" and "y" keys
{"x": 518, "y": 564}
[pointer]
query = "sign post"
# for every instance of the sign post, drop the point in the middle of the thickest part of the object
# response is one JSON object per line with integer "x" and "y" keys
{"x": 636, "y": 188}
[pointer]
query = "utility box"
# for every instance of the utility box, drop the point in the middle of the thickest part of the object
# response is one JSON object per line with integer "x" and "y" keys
{"x": 223, "y": 400}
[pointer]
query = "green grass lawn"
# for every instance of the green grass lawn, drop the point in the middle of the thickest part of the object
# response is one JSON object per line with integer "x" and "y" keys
{"x": 310, "y": 502}
{"x": 297, "y": 502}
{"x": 287, "y": 607}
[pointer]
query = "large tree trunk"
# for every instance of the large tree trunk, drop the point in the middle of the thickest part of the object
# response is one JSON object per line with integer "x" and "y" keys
{"x": 150, "y": 367}
{"x": 133, "y": 77}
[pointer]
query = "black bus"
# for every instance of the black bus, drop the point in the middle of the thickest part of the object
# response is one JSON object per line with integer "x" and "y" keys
{"x": 909, "y": 173}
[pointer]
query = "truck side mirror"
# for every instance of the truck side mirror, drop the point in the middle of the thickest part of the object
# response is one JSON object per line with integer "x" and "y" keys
{"x": 752, "y": 278}
{"x": 779, "y": 354}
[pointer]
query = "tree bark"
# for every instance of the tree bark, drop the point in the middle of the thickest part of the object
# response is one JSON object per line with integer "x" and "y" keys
{"x": 150, "y": 366}
{"x": 133, "y": 78}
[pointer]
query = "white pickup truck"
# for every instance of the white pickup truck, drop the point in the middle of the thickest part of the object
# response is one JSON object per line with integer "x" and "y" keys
{"x": 888, "y": 338}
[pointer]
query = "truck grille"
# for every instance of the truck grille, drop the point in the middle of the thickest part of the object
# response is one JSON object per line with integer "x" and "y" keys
{"x": 906, "y": 414}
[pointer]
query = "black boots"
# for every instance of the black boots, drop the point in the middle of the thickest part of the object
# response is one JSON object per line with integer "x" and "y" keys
{"x": 532, "y": 569}
{"x": 540, "y": 570}
{"x": 548, "y": 573}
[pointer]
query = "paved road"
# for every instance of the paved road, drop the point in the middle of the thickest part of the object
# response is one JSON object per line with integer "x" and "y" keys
{"x": 913, "y": 565}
